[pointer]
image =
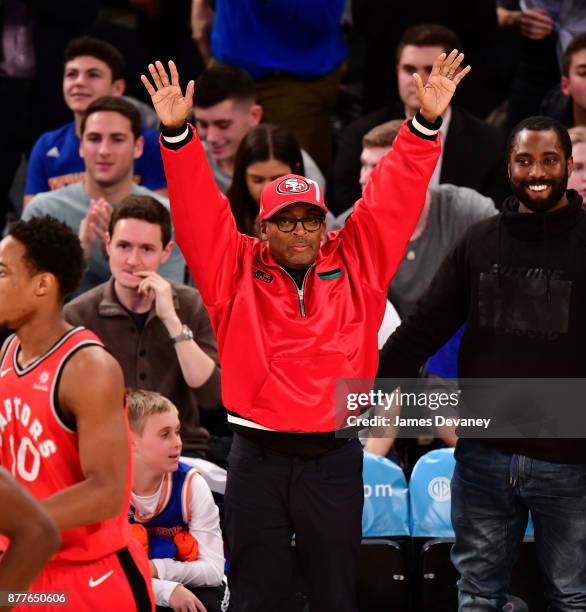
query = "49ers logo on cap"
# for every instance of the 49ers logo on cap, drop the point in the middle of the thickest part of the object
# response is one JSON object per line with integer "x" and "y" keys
{"x": 292, "y": 185}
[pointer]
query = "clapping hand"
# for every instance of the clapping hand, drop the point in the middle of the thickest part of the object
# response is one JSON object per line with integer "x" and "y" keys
{"x": 94, "y": 225}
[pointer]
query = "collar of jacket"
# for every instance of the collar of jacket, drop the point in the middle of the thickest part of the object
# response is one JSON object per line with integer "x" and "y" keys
{"x": 110, "y": 305}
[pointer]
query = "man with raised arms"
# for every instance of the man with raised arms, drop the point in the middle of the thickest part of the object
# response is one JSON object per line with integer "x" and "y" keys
{"x": 293, "y": 313}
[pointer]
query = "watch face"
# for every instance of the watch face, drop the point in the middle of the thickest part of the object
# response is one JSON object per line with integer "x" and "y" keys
{"x": 186, "y": 334}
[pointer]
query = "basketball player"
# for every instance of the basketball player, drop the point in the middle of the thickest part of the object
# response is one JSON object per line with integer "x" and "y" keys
{"x": 63, "y": 426}
{"x": 32, "y": 534}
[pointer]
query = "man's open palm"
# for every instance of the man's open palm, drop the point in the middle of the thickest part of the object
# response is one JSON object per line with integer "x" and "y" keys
{"x": 445, "y": 77}
{"x": 171, "y": 105}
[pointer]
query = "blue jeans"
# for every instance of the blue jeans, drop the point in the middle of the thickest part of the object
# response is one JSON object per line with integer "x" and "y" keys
{"x": 492, "y": 492}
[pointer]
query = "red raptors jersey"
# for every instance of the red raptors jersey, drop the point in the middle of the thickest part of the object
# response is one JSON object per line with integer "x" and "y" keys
{"x": 41, "y": 450}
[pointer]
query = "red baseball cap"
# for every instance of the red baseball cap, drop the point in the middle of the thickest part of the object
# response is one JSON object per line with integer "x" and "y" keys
{"x": 289, "y": 189}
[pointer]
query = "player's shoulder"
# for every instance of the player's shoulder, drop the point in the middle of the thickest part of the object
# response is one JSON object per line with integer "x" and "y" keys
{"x": 91, "y": 377}
{"x": 90, "y": 361}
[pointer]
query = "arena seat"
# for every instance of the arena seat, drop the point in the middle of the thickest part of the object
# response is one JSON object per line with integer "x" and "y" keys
{"x": 386, "y": 499}
{"x": 383, "y": 584}
{"x": 429, "y": 495}
{"x": 431, "y": 528}
{"x": 383, "y": 579}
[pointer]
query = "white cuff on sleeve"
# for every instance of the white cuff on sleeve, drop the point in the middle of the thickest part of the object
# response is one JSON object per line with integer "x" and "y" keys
{"x": 176, "y": 139}
{"x": 422, "y": 129}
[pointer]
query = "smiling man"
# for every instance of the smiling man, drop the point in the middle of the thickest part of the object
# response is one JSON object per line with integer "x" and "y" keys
{"x": 518, "y": 282}
{"x": 293, "y": 313}
{"x": 111, "y": 141}
{"x": 225, "y": 112}
{"x": 540, "y": 163}
{"x": 93, "y": 69}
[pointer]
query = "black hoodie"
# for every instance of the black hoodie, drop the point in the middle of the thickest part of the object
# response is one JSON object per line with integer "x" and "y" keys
{"x": 518, "y": 281}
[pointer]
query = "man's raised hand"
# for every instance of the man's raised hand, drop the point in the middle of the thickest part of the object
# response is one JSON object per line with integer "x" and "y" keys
{"x": 171, "y": 105}
{"x": 445, "y": 77}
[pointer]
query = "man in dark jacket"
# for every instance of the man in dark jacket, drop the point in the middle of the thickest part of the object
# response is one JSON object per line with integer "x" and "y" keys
{"x": 567, "y": 102}
{"x": 518, "y": 280}
{"x": 159, "y": 331}
{"x": 473, "y": 151}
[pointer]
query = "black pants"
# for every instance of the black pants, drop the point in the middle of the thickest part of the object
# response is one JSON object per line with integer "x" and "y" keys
{"x": 270, "y": 497}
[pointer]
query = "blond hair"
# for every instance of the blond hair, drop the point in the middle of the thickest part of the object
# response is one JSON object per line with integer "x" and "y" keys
{"x": 382, "y": 135}
{"x": 577, "y": 134}
{"x": 143, "y": 404}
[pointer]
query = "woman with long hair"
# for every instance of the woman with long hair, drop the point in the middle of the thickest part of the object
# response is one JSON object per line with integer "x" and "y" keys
{"x": 266, "y": 153}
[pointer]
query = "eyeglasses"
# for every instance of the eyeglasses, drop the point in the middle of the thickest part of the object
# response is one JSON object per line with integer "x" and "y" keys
{"x": 288, "y": 224}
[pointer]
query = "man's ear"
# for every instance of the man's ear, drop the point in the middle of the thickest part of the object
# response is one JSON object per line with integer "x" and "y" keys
{"x": 45, "y": 282}
{"x": 565, "y": 86}
{"x": 138, "y": 147}
{"x": 256, "y": 113}
{"x": 570, "y": 165}
{"x": 118, "y": 87}
{"x": 167, "y": 252}
{"x": 108, "y": 242}
{"x": 263, "y": 231}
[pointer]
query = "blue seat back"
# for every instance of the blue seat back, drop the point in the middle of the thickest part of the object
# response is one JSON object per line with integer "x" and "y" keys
{"x": 386, "y": 505}
{"x": 430, "y": 494}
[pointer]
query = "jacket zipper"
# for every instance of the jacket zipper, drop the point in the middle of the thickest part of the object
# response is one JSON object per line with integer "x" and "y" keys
{"x": 300, "y": 292}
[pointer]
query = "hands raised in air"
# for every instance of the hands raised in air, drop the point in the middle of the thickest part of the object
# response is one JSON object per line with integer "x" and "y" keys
{"x": 172, "y": 107}
{"x": 435, "y": 96}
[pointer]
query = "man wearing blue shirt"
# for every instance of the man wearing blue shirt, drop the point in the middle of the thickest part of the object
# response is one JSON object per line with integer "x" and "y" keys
{"x": 111, "y": 142}
{"x": 295, "y": 53}
{"x": 93, "y": 69}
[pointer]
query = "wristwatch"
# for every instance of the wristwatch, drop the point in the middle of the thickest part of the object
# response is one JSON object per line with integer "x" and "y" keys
{"x": 186, "y": 334}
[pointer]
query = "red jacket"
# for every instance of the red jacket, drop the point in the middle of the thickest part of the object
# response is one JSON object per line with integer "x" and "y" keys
{"x": 281, "y": 350}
